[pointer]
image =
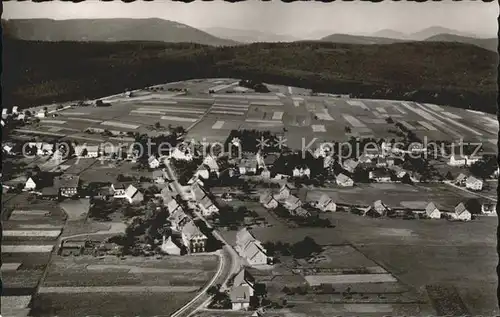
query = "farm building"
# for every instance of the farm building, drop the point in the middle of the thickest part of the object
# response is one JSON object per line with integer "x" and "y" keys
{"x": 173, "y": 206}
{"x": 301, "y": 212}
{"x": 248, "y": 166}
{"x": 74, "y": 248}
{"x": 432, "y": 212}
{"x": 243, "y": 236}
{"x": 325, "y": 203}
{"x": 67, "y": 185}
{"x": 158, "y": 177}
{"x": 194, "y": 240}
{"x": 461, "y": 160}
{"x": 41, "y": 114}
{"x": 268, "y": 201}
{"x": 198, "y": 192}
{"x": 169, "y": 247}
{"x": 380, "y": 207}
{"x": 461, "y": 213}
{"x": 285, "y": 191}
{"x": 202, "y": 172}
{"x": 207, "y": 207}
{"x": 350, "y": 165}
{"x": 255, "y": 253}
{"x": 178, "y": 219}
{"x": 292, "y": 202}
{"x": 474, "y": 183}
{"x": 50, "y": 193}
{"x": 240, "y": 297}
{"x": 153, "y": 162}
{"x": 344, "y": 180}
{"x": 179, "y": 154}
{"x": 381, "y": 176}
{"x": 133, "y": 195}
{"x": 488, "y": 208}
{"x": 244, "y": 278}
{"x": 118, "y": 190}
{"x": 461, "y": 179}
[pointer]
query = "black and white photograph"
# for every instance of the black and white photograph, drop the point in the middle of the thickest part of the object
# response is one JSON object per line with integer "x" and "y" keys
{"x": 249, "y": 158}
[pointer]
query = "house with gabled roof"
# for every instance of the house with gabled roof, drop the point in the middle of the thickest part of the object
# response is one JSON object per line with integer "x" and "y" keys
{"x": 211, "y": 163}
{"x": 301, "y": 212}
{"x": 380, "y": 207}
{"x": 133, "y": 195}
{"x": 488, "y": 208}
{"x": 461, "y": 179}
{"x": 301, "y": 172}
{"x": 170, "y": 247}
{"x": 344, "y": 180}
{"x": 173, "y": 206}
{"x": 461, "y": 213}
{"x": 268, "y": 201}
{"x": 325, "y": 203}
{"x": 243, "y": 237}
{"x": 248, "y": 166}
{"x": 67, "y": 185}
{"x": 240, "y": 297}
{"x": 118, "y": 190}
{"x": 474, "y": 183}
{"x": 207, "y": 207}
{"x": 380, "y": 176}
{"x": 350, "y": 165}
{"x": 364, "y": 159}
{"x": 158, "y": 177}
{"x": 202, "y": 172}
{"x": 255, "y": 253}
{"x": 432, "y": 212}
{"x": 244, "y": 278}
{"x": 198, "y": 192}
{"x": 371, "y": 153}
{"x": 194, "y": 240}
{"x": 284, "y": 192}
{"x": 292, "y": 202}
{"x": 153, "y": 162}
{"x": 178, "y": 219}
{"x": 30, "y": 183}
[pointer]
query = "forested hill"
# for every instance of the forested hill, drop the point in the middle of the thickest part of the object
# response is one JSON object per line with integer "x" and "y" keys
{"x": 453, "y": 74}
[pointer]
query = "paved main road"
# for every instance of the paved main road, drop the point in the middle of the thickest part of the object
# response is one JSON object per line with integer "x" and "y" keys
{"x": 229, "y": 260}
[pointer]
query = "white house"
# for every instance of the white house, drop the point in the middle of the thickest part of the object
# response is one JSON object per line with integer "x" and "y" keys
{"x": 461, "y": 213}
{"x": 169, "y": 247}
{"x": 194, "y": 240}
{"x": 15, "y": 109}
{"x": 92, "y": 150}
{"x": 133, "y": 195}
{"x": 473, "y": 183}
{"x": 255, "y": 253}
{"x": 325, "y": 203}
{"x": 344, "y": 180}
{"x": 461, "y": 179}
{"x": 41, "y": 114}
{"x": 371, "y": 153}
{"x": 380, "y": 176}
{"x": 380, "y": 207}
{"x": 4, "y": 113}
{"x": 179, "y": 154}
{"x": 432, "y": 212}
{"x": 159, "y": 177}
{"x": 301, "y": 172}
{"x": 202, "y": 172}
{"x": 265, "y": 174}
{"x": 153, "y": 162}
{"x": 30, "y": 184}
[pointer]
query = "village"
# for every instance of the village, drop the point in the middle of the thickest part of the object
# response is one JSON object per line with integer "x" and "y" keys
{"x": 238, "y": 203}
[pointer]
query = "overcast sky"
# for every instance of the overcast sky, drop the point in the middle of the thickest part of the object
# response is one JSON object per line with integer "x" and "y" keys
{"x": 298, "y": 18}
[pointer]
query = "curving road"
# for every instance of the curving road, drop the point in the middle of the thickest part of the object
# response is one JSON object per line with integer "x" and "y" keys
{"x": 229, "y": 263}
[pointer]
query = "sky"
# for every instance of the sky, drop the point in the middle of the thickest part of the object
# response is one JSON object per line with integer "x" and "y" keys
{"x": 298, "y": 18}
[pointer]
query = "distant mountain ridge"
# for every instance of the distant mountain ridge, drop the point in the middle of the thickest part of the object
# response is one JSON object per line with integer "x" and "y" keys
{"x": 489, "y": 44}
{"x": 109, "y": 30}
{"x": 357, "y": 39}
{"x": 249, "y": 36}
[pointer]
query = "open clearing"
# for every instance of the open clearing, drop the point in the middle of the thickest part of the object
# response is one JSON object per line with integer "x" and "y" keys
{"x": 26, "y": 248}
{"x": 349, "y": 279}
{"x": 117, "y": 289}
{"x": 32, "y": 233}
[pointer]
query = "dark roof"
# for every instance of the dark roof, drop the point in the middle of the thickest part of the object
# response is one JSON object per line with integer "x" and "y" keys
{"x": 50, "y": 191}
{"x": 65, "y": 181}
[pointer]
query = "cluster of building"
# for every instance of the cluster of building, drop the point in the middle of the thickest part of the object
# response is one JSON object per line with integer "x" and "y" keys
{"x": 287, "y": 198}
{"x": 251, "y": 249}
{"x": 469, "y": 182}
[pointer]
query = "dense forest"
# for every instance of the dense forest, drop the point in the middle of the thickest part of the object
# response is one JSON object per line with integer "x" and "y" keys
{"x": 453, "y": 74}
